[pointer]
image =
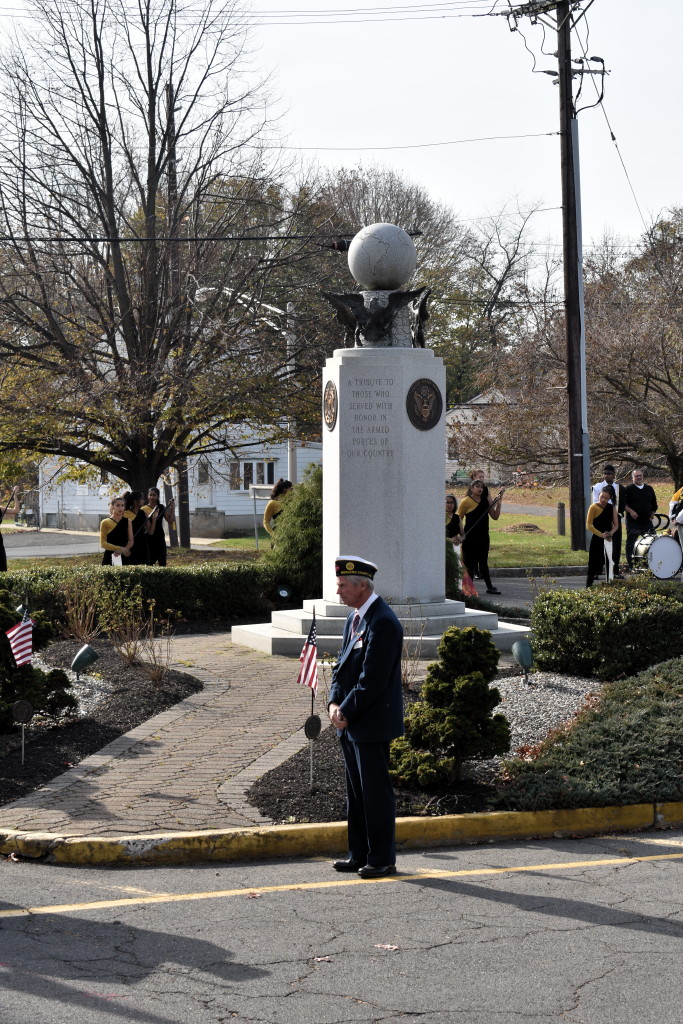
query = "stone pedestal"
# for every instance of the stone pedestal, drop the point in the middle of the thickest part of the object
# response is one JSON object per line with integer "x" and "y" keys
{"x": 384, "y": 451}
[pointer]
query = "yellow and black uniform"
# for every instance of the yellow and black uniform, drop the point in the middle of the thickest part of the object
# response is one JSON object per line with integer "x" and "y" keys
{"x": 139, "y": 553}
{"x": 452, "y": 525}
{"x": 475, "y": 547}
{"x": 598, "y": 521}
{"x": 273, "y": 510}
{"x": 113, "y": 537}
{"x": 156, "y": 540}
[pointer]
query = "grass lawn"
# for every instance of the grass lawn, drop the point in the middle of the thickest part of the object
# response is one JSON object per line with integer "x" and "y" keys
{"x": 511, "y": 549}
{"x": 549, "y": 496}
{"x": 244, "y": 542}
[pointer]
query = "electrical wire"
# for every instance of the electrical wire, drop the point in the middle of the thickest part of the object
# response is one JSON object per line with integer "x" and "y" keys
{"x": 417, "y": 145}
{"x": 600, "y": 103}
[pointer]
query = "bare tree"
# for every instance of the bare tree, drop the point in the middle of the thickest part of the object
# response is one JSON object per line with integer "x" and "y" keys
{"x": 136, "y": 155}
{"x": 634, "y": 367}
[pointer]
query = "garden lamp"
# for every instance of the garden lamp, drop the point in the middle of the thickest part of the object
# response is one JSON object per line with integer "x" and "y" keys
{"x": 524, "y": 656}
{"x": 85, "y": 657}
{"x": 284, "y": 592}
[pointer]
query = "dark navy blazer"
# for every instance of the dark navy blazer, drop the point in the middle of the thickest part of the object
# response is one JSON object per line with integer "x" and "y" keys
{"x": 366, "y": 681}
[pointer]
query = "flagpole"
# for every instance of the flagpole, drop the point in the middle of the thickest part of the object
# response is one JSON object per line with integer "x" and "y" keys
{"x": 311, "y": 742}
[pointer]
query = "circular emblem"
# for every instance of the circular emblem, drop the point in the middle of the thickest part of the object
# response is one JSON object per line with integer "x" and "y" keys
{"x": 424, "y": 404}
{"x": 330, "y": 405}
{"x": 312, "y": 727}
{"x": 22, "y": 711}
{"x": 350, "y": 566}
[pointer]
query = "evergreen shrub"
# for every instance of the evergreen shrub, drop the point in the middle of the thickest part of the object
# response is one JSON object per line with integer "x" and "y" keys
{"x": 606, "y": 631}
{"x": 47, "y": 691}
{"x": 452, "y": 721}
{"x": 297, "y": 555}
{"x": 624, "y": 747}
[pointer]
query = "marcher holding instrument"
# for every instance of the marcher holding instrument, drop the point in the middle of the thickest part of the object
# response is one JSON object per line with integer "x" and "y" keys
{"x": 156, "y": 513}
{"x": 12, "y": 512}
{"x": 139, "y": 553}
{"x": 474, "y": 511}
{"x": 603, "y": 522}
{"x": 116, "y": 533}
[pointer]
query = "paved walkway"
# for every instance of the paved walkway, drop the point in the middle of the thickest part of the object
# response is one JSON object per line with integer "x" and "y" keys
{"x": 187, "y": 768}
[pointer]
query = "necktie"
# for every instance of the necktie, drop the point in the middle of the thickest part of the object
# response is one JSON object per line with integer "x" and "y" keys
{"x": 355, "y": 623}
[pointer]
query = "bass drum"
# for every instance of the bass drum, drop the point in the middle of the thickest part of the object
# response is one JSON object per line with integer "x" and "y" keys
{"x": 660, "y": 554}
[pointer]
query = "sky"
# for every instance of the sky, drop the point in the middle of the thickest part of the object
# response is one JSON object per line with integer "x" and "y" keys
{"x": 411, "y": 79}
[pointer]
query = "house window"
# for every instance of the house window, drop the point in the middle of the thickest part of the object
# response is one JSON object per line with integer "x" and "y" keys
{"x": 244, "y": 474}
{"x": 203, "y": 473}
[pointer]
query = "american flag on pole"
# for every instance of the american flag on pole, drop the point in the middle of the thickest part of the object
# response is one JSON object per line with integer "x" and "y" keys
{"x": 308, "y": 673}
{"x": 21, "y": 640}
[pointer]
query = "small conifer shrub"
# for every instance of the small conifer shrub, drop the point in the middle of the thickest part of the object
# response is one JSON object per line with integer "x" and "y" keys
{"x": 452, "y": 721}
{"x": 297, "y": 554}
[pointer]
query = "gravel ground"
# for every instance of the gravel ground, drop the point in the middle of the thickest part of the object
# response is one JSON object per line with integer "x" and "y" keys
{"x": 532, "y": 709}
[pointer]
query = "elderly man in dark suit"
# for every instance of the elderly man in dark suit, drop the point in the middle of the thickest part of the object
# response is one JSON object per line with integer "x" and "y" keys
{"x": 366, "y": 708}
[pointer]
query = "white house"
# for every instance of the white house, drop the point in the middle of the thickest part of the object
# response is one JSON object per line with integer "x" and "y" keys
{"x": 472, "y": 412}
{"x": 219, "y": 488}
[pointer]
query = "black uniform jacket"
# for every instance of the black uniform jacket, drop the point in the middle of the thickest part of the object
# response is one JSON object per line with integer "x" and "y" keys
{"x": 366, "y": 681}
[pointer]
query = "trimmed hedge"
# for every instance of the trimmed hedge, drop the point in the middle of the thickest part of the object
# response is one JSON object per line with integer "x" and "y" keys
{"x": 607, "y": 631}
{"x": 191, "y": 592}
{"x": 625, "y": 748}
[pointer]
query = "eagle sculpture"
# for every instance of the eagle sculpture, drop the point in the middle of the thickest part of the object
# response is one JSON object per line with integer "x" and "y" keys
{"x": 373, "y": 323}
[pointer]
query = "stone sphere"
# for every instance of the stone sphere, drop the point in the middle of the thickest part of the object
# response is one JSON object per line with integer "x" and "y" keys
{"x": 382, "y": 256}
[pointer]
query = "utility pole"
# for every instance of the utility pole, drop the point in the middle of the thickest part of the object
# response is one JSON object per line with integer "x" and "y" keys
{"x": 577, "y": 427}
{"x": 291, "y": 441}
{"x": 575, "y": 338}
{"x": 183, "y": 504}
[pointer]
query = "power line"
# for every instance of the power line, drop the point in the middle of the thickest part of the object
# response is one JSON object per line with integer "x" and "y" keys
{"x": 418, "y": 145}
{"x": 601, "y": 104}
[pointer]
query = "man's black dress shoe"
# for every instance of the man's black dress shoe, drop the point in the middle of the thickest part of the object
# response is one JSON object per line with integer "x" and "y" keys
{"x": 492, "y": 590}
{"x": 347, "y": 865}
{"x": 372, "y": 871}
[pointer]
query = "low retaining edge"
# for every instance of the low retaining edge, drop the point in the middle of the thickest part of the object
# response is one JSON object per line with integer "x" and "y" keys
{"x": 306, "y": 840}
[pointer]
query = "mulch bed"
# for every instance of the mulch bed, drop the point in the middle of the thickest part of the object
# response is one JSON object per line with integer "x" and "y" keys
{"x": 284, "y": 794}
{"x": 128, "y": 698}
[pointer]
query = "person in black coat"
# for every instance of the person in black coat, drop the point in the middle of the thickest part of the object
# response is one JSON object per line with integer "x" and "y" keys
{"x": 640, "y": 504}
{"x": 366, "y": 708}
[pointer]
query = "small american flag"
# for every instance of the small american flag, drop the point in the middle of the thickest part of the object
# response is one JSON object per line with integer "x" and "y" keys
{"x": 21, "y": 640}
{"x": 308, "y": 673}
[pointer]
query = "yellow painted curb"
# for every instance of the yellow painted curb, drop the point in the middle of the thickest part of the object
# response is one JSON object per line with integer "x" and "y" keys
{"x": 275, "y": 841}
{"x": 669, "y": 815}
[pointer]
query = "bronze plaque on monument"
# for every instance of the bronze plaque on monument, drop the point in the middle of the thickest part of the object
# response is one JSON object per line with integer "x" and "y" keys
{"x": 424, "y": 404}
{"x": 330, "y": 405}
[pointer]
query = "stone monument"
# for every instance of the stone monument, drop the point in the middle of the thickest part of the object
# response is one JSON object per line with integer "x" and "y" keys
{"x": 384, "y": 460}
{"x": 384, "y": 439}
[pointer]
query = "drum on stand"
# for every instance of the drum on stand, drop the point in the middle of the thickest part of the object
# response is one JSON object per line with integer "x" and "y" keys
{"x": 660, "y": 554}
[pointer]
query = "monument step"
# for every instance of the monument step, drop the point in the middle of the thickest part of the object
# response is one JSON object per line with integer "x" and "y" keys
{"x": 299, "y": 621}
{"x": 269, "y": 639}
{"x": 331, "y": 609}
